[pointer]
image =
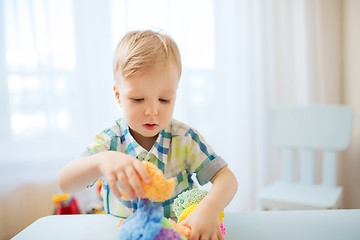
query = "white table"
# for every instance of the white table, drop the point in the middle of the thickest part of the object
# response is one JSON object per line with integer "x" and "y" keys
{"x": 277, "y": 225}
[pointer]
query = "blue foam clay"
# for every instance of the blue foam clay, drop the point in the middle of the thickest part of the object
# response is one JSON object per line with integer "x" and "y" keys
{"x": 144, "y": 224}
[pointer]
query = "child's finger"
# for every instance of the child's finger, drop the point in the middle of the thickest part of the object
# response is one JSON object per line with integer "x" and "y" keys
{"x": 194, "y": 236}
{"x": 221, "y": 237}
{"x": 123, "y": 180}
{"x": 142, "y": 171}
{"x": 112, "y": 181}
{"x": 134, "y": 182}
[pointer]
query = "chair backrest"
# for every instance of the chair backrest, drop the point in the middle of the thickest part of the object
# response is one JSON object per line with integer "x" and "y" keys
{"x": 309, "y": 128}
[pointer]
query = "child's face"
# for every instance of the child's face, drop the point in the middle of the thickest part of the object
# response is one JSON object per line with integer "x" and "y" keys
{"x": 148, "y": 100}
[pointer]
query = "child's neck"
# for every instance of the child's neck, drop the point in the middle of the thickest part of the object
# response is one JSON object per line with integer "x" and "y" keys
{"x": 148, "y": 146}
{"x": 146, "y": 142}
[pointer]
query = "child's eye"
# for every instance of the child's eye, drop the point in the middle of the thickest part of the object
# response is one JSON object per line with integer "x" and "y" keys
{"x": 138, "y": 99}
{"x": 164, "y": 100}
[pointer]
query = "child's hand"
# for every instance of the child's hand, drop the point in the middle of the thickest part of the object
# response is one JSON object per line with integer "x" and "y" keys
{"x": 204, "y": 224}
{"x": 127, "y": 170}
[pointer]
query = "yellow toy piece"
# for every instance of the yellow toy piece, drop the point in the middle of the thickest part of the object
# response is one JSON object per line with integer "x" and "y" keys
{"x": 61, "y": 197}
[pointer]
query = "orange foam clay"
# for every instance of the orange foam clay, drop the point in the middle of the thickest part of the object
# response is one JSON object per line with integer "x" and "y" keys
{"x": 120, "y": 222}
{"x": 183, "y": 229}
{"x": 160, "y": 189}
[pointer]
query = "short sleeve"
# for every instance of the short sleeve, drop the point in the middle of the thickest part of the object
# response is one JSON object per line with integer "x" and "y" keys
{"x": 201, "y": 158}
{"x": 100, "y": 143}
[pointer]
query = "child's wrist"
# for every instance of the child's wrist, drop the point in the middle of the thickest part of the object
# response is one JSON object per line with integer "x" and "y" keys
{"x": 209, "y": 206}
{"x": 97, "y": 160}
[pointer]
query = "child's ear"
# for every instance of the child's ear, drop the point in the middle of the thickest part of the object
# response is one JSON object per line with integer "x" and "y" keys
{"x": 117, "y": 94}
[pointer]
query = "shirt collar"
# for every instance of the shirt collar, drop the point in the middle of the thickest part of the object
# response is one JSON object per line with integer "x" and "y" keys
{"x": 160, "y": 149}
{"x": 162, "y": 144}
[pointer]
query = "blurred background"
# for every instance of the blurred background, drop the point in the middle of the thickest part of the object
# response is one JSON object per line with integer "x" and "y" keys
{"x": 240, "y": 57}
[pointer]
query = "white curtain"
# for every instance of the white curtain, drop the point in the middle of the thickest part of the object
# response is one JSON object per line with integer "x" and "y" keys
{"x": 239, "y": 58}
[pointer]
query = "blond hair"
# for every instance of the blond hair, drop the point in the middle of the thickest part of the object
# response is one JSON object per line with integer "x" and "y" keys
{"x": 139, "y": 50}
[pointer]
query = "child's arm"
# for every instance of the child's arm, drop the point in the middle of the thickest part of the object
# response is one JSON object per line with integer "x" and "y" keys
{"x": 204, "y": 220}
{"x": 115, "y": 166}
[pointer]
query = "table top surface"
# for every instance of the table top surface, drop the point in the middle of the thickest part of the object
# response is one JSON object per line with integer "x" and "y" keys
{"x": 305, "y": 224}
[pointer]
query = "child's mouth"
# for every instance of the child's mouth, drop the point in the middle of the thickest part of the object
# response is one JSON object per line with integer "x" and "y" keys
{"x": 150, "y": 126}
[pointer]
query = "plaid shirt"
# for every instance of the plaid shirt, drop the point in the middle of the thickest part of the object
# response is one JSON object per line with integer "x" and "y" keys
{"x": 179, "y": 151}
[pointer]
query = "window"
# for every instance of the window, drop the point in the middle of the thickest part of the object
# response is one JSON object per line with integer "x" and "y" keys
{"x": 39, "y": 73}
{"x": 55, "y": 57}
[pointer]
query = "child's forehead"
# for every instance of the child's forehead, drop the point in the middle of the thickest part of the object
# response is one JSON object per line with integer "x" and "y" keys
{"x": 163, "y": 73}
{"x": 135, "y": 90}
{"x": 145, "y": 86}
{"x": 138, "y": 89}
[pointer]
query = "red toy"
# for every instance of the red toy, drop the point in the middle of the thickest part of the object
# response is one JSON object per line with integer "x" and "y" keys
{"x": 65, "y": 204}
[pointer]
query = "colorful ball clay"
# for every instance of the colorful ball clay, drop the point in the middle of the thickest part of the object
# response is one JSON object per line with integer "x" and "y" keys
{"x": 187, "y": 199}
{"x": 148, "y": 223}
{"x": 186, "y": 202}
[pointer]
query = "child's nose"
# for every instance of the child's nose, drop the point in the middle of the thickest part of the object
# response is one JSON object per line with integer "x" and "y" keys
{"x": 151, "y": 110}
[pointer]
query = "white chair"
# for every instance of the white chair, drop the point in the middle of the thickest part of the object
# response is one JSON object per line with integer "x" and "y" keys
{"x": 300, "y": 131}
